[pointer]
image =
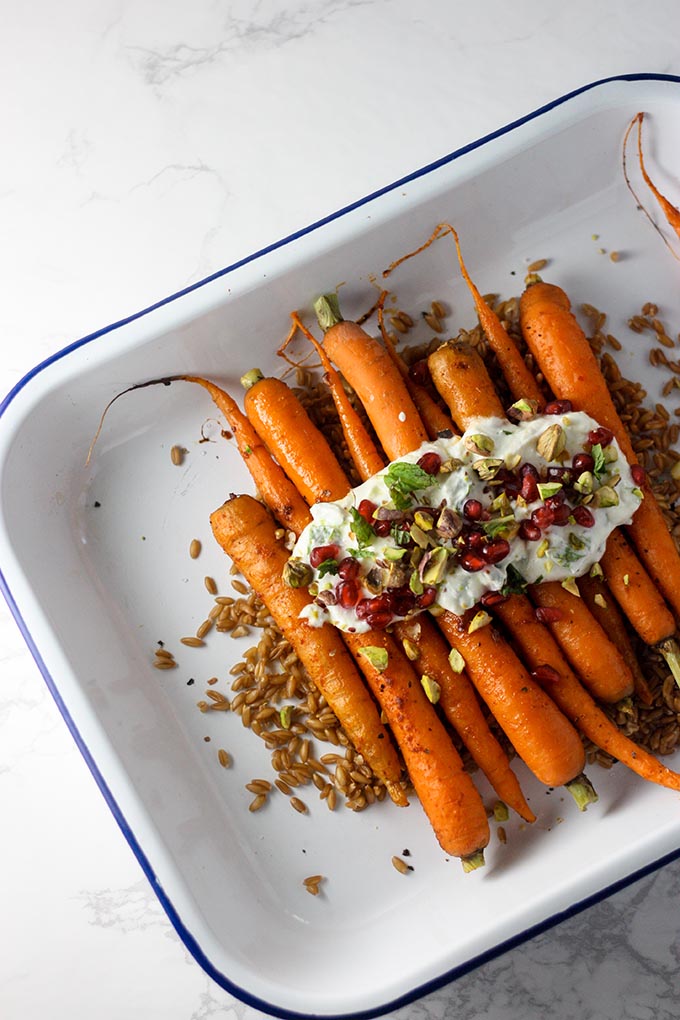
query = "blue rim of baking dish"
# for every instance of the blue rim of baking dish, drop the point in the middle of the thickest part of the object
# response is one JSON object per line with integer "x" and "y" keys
{"x": 184, "y": 934}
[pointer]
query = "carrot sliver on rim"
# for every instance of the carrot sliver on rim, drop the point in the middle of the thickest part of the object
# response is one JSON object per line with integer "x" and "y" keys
{"x": 671, "y": 212}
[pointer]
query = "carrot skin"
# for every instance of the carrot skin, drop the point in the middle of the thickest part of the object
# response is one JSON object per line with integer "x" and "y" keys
{"x": 461, "y": 378}
{"x": 593, "y": 655}
{"x": 285, "y": 427}
{"x": 605, "y": 610}
{"x": 635, "y": 592}
{"x": 461, "y": 707}
{"x": 566, "y": 359}
{"x": 446, "y": 791}
{"x": 379, "y": 385}
{"x": 246, "y": 531}
{"x": 541, "y": 735}
{"x": 539, "y": 648}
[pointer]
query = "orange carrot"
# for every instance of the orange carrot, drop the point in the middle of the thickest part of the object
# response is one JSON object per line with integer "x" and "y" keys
{"x": 364, "y": 454}
{"x": 593, "y": 655}
{"x": 670, "y": 211}
{"x": 371, "y": 373}
{"x": 460, "y": 376}
{"x": 635, "y": 592}
{"x": 521, "y": 382}
{"x": 539, "y": 650}
{"x": 570, "y": 367}
{"x": 542, "y": 736}
{"x": 462, "y": 709}
{"x": 604, "y": 608}
{"x": 434, "y": 418}
{"x": 285, "y": 427}
{"x": 445, "y": 790}
{"x": 247, "y": 532}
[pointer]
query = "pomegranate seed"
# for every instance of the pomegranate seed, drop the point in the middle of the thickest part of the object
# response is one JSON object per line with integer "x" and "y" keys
{"x": 528, "y": 469}
{"x": 348, "y": 594}
{"x": 558, "y": 407}
{"x": 367, "y": 508}
{"x": 638, "y": 473}
{"x": 512, "y": 487}
{"x": 430, "y": 462}
{"x": 427, "y": 597}
{"x": 529, "y": 531}
{"x": 546, "y": 614}
{"x": 381, "y": 602}
{"x": 493, "y": 598}
{"x": 496, "y": 550}
{"x": 564, "y": 475}
{"x": 557, "y": 500}
{"x": 348, "y": 568}
{"x": 403, "y": 603}
{"x": 475, "y": 540}
{"x": 545, "y": 673}
{"x": 529, "y": 490}
{"x": 323, "y": 552}
{"x": 472, "y": 561}
{"x": 379, "y": 619}
{"x": 600, "y": 435}
{"x": 542, "y": 517}
{"x": 582, "y": 462}
{"x": 363, "y": 608}
{"x": 583, "y": 516}
{"x": 472, "y": 509}
{"x": 561, "y": 514}
{"x": 382, "y": 528}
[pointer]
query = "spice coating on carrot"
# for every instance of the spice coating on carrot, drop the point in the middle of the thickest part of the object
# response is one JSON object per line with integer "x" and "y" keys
{"x": 635, "y": 591}
{"x": 246, "y": 531}
{"x": 542, "y": 736}
{"x": 285, "y": 427}
{"x": 446, "y": 791}
{"x": 566, "y": 359}
{"x": 461, "y": 707}
{"x": 538, "y": 649}
{"x": 461, "y": 378}
{"x": 593, "y": 655}
{"x": 379, "y": 385}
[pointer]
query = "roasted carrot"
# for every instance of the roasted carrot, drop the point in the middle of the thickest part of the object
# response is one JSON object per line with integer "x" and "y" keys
{"x": 462, "y": 709}
{"x": 445, "y": 790}
{"x": 461, "y": 378}
{"x": 635, "y": 592}
{"x": 670, "y": 211}
{"x": 521, "y": 382}
{"x": 247, "y": 532}
{"x": 371, "y": 373}
{"x": 593, "y": 655}
{"x": 539, "y": 650}
{"x": 364, "y": 454}
{"x": 542, "y": 736}
{"x": 604, "y": 608}
{"x": 434, "y": 418}
{"x": 285, "y": 427}
{"x": 567, "y": 361}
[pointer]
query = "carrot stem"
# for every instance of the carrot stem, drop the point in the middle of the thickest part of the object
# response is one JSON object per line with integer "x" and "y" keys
{"x": 582, "y": 791}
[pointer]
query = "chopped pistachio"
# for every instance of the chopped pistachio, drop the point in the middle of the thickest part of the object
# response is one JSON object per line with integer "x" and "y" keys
{"x": 569, "y": 584}
{"x": 542, "y": 548}
{"x": 393, "y": 553}
{"x": 431, "y": 688}
{"x": 575, "y": 542}
{"x": 433, "y": 565}
{"x": 436, "y": 610}
{"x": 600, "y": 601}
{"x": 488, "y": 467}
{"x": 449, "y": 523}
{"x": 548, "y": 566}
{"x": 479, "y": 620}
{"x": 585, "y": 483}
{"x": 410, "y": 649}
{"x": 596, "y": 570}
{"x": 297, "y": 574}
{"x": 419, "y": 536}
{"x": 548, "y": 489}
{"x": 610, "y": 454}
{"x": 640, "y": 494}
{"x": 286, "y": 716}
{"x": 501, "y": 504}
{"x": 626, "y": 579}
{"x": 424, "y": 520}
{"x": 500, "y": 812}
{"x": 415, "y": 584}
{"x": 606, "y": 496}
{"x": 523, "y": 409}
{"x": 551, "y": 442}
{"x": 479, "y": 443}
{"x": 456, "y": 661}
{"x": 377, "y": 656}
{"x": 512, "y": 460}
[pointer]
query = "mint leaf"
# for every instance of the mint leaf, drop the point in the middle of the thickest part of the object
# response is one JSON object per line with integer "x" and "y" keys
{"x": 327, "y": 567}
{"x": 402, "y": 479}
{"x": 362, "y": 530}
{"x": 515, "y": 584}
{"x": 597, "y": 453}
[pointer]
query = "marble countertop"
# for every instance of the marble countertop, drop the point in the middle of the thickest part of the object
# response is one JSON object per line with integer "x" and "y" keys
{"x": 145, "y": 146}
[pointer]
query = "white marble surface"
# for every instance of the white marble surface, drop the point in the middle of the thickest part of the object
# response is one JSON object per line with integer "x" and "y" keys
{"x": 145, "y": 145}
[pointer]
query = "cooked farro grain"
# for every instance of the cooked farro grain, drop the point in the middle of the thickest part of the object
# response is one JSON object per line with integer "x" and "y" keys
{"x": 400, "y": 865}
{"x": 165, "y": 664}
{"x": 192, "y": 642}
{"x": 535, "y": 267}
{"x": 195, "y": 548}
{"x": 258, "y": 802}
{"x": 299, "y": 805}
{"x": 177, "y": 455}
{"x": 223, "y": 758}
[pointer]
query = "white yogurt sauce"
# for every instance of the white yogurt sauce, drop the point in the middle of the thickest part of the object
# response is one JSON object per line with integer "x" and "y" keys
{"x": 562, "y": 551}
